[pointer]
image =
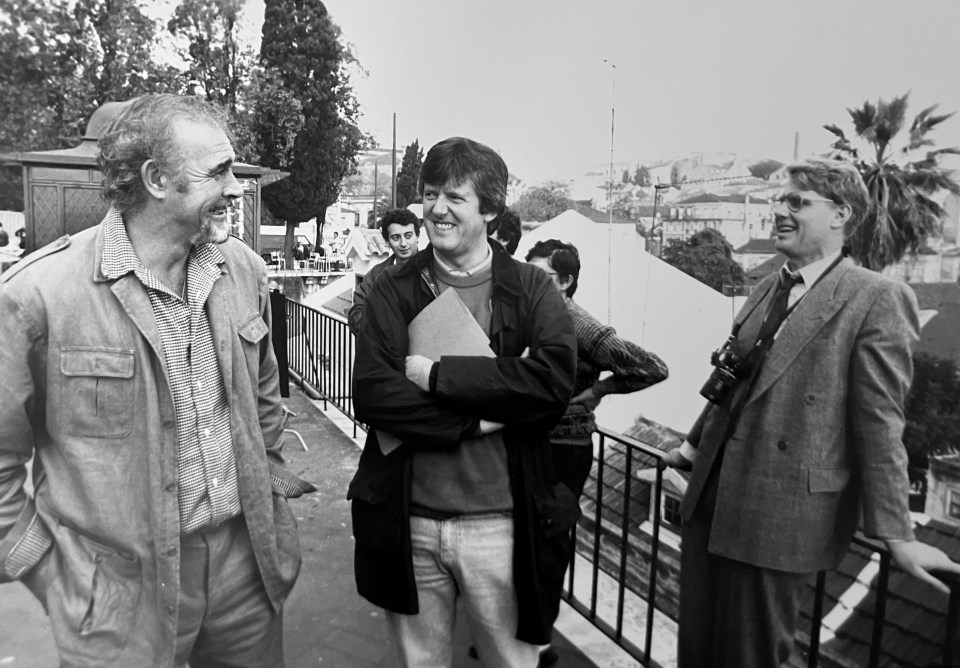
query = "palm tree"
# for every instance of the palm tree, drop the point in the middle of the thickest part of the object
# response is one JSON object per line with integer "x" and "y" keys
{"x": 903, "y": 214}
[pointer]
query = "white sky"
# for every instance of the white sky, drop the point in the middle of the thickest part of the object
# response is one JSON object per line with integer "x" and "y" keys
{"x": 528, "y": 77}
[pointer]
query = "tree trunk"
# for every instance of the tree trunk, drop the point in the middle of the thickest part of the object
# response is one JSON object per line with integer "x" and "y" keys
{"x": 288, "y": 245}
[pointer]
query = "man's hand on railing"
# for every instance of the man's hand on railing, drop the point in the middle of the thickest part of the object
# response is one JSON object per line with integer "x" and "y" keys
{"x": 918, "y": 558}
{"x": 680, "y": 458}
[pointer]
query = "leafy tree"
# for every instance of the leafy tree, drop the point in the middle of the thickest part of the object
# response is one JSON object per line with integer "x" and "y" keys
{"x": 545, "y": 202}
{"x": 641, "y": 177}
{"x": 409, "y": 175}
{"x": 301, "y": 44}
{"x": 764, "y": 168}
{"x": 932, "y": 413}
{"x": 903, "y": 214}
{"x": 707, "y": 256}
{"x": 208, "y": 38}
{"x": 115, "y": 50}
{"x": 62, "y": 60}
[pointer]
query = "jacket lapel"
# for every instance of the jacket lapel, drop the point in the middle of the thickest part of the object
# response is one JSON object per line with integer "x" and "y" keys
{"x": 220, "y": 327}
{"x": 819, "y": 305}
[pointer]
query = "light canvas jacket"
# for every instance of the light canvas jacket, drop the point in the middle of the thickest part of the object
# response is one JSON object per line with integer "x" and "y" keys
{"x": 83, "y": 387}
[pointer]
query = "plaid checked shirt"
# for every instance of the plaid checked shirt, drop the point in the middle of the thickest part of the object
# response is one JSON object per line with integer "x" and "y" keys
{"x": 208, "y": 493}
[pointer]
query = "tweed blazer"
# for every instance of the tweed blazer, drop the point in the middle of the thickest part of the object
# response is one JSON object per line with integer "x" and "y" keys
{"x": 817, "y": 450}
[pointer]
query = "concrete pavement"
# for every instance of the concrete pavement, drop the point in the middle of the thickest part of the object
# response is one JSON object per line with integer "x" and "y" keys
{"x": 326, "y": 622}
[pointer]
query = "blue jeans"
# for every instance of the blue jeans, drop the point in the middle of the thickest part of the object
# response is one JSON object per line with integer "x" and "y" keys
{"x": 471, "y": 558}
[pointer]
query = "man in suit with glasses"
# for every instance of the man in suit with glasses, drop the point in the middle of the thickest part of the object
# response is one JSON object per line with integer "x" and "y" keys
{"x": 801, "y": 441}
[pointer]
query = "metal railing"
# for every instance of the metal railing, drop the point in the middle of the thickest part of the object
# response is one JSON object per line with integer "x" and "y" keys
{"x": 320, "y": 354}
{"x": 620, "y": 550}
{"x": 610, "y": 544}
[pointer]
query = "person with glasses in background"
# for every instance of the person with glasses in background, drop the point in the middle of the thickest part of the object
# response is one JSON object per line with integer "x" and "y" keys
{"x": 627, "y": 368}
{"x": 801, "y": 440}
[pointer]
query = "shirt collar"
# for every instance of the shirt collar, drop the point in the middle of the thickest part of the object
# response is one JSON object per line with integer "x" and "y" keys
{"x": 120, "y": 258}
{"x": 812, "y": 272}
{"x": 484, "y": 265}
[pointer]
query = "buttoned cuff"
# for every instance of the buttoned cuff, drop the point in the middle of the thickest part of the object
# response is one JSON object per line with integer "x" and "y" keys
{"x": 287, "y": 484}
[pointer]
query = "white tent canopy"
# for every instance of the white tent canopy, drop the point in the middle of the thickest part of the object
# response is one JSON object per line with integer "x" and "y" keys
{"x": 650, "y": 303}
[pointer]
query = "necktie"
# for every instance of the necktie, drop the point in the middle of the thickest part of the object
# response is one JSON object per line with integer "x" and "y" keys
{"x": 771, "y": 323}
{"x": 778, "y": 310}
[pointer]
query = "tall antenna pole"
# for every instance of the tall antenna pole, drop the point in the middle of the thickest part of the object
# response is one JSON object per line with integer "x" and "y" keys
{"x": 393, "y": 163}
{"x": 613, "y": 99}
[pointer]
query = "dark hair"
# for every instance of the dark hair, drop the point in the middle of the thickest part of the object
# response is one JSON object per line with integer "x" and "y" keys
{"x": 458, "y": 160}
{"x": 563, "y": 258}
{"x": 836, "y": 180}
{"x": 402, "y": 217}
{"x": 144, "y": 130}
{"x": 507, "y": 228}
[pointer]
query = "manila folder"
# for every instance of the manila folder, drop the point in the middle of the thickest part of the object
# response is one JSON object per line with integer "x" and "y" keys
{"x": 444, "y": 327}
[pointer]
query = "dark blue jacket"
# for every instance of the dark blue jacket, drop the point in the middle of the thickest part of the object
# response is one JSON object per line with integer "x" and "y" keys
{"x": 526, "y": 387}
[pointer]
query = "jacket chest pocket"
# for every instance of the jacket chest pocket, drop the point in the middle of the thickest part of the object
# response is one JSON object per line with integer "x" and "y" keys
{"x": 253, "y": 330}
{"x": 96, "y": 391}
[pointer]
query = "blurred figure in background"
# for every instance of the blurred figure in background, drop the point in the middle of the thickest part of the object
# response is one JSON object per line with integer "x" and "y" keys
{"x": 401, "y": 230}
{"x": 505, "y": 229}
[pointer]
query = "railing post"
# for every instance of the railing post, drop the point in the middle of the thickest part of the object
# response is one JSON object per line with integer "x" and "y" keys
{"x": 624, "y": 538}
{"x": 598, "y": 517}
{"x": 953, "y": 621}
{"x": 814, "y": 656}
{"x": 880, "y": 609}
{"x": 654, "y": 559}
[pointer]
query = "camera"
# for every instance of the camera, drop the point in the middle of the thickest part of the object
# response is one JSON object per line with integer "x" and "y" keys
{"x": 729, "y": 368}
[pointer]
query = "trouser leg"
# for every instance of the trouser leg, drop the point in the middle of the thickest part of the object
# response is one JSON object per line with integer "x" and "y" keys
{"x": 732, "y": 614}
{"x": 425, "y": 640}
{"x": 482, "y": 551}
{"x": 225, "y": 617}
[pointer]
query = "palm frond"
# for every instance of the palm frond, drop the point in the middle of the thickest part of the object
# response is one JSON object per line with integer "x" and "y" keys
{"x": 894, "y": 112}
{"x": 863, "y": 118}
{"x": 902, "y": 214}
{"x": 830, "y": 127}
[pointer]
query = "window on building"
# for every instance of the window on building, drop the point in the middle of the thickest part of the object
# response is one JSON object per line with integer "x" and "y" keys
{"x": 671, "y": 510}
{"x": 953, "y": 507}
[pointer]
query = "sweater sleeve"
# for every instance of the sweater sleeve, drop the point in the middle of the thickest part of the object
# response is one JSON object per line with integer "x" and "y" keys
{"x": 632, "y": 368}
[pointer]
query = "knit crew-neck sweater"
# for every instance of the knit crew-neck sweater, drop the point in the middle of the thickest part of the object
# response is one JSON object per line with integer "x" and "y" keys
{"x": 472, "y": 478}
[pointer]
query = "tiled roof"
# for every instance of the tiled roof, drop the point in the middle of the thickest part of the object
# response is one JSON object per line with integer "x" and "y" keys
{"x": 366, "y": 243}
{"x": 615, "y": 465}
{"x": 711, "y": 198}
{"x": 764, "y": 269}
{"x": 939, "y": 337}
{"x": 342, "y": 302}
{"x": 915, "y": 619}
{"x": 758, "y": 246}
{"x": 598, "y": 216}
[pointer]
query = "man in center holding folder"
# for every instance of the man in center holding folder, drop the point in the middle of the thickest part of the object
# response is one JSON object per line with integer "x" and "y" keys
{"x": 455, "y": 495}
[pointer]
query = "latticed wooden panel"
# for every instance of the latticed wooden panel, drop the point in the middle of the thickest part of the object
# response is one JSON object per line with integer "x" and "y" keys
{"x": 47, "y": 225}
{"x": 250, "y": 217}
{"x": 83, "y": 208}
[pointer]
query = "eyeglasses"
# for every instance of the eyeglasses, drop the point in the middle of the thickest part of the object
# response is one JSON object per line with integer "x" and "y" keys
{"x": 796, "y": 201}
